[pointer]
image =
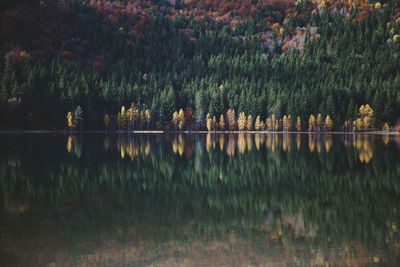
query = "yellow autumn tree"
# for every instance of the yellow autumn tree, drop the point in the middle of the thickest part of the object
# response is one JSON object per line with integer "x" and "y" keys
{"x": 123, "y": 117}
{"x": 175, "y": 120}
{"x": 286, "y": 123}
{"x": 273, "y": 122}
{"x": 298, "y": 124}
{"x": 268, "y": 124}
{"x": 221, "y": 123}
{"x": 262, "y": 126}
{"x": 257, "y": 124}
{"x": 241, "y": 121}
{"x": 130, "y": 117}
{"x": 209, "y": 122}
{"x": 359, "y": 124}
{"x": 231, "y": 119}
{"x": 348, "y": 125}
{"x": 386, "y": 127}
{"x": 249, "y": 124}
{"x": 70, "y": 120}
{"x": 181, "y": 120}
{"x": 311, "y": 123}
{"x": 328, "y": 123}
{"x": 366, "y": 114}
{"x": 214, "y": 123}
{"x": 277, "y": 125}
{"x": 147, "y": 115}
{"x": 142, "y": 120}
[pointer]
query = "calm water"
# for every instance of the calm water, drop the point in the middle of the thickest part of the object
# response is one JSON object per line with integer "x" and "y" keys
{"x": 199, "y": 200}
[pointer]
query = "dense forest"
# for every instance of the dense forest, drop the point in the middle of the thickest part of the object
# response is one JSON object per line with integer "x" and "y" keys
{"x": 135, "y": 64}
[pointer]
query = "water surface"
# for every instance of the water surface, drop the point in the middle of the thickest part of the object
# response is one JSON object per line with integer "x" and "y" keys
{"x": 158, "y": 199}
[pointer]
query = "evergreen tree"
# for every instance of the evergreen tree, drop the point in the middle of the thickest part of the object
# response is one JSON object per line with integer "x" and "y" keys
{"x": 199, "y": 108}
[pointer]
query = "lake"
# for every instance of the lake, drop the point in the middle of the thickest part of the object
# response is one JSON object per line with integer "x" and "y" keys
{"x": 199, "y": 200}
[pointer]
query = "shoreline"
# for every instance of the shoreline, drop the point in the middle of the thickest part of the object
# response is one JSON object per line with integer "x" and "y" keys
{"x": 186, "y": 132}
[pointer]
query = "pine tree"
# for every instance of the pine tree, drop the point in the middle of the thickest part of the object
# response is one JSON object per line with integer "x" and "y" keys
{"x": 168, "y": 104}
{"x": 78, "y": 117}
{"x": 5, "y": 82}
{"x": 277, "y": 125}
{"x": 199, "y": 108}
{"x": 379, "y": 103}
{"x": 350, "y": 110}
{"x": 319, "y": 122}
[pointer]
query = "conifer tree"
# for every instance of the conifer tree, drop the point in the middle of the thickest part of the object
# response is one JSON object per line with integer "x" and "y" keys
{"x": 214, "y": 123}
{"x": 298, "y": 124}
{"x": 231, "y": 119}
{"x": 70, "y": 120}
{"x": 221, "y": 123}
{"x": 319, "y": 122}
{"x": 328, "y": 123}
{"x": 242, "y": 121}
{"x": 209, "y": 122}
{"x": 148, "y": 118}
{"x": 257, "y": 124}
{"x": 199, "y": 108}
{"x": 78, "y": 117}
{"x": 249, "y": 123}
{"x": 311, "y": 123}
{"x": 262, "y": 126}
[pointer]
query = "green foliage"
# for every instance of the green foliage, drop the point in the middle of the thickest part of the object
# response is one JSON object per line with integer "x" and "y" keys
{"x": 339, "y": 69}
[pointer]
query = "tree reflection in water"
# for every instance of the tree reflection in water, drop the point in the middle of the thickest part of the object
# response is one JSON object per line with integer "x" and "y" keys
{"x": 199, "y": 199}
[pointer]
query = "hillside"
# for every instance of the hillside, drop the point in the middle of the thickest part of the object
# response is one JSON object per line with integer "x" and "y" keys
{"x": 263, "y": 58}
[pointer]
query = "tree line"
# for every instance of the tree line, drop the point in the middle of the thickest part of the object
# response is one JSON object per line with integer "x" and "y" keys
{"x": 134, "y": 119}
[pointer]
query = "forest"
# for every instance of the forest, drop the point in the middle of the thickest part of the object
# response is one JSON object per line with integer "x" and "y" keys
{"x": 193, "y": 65}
